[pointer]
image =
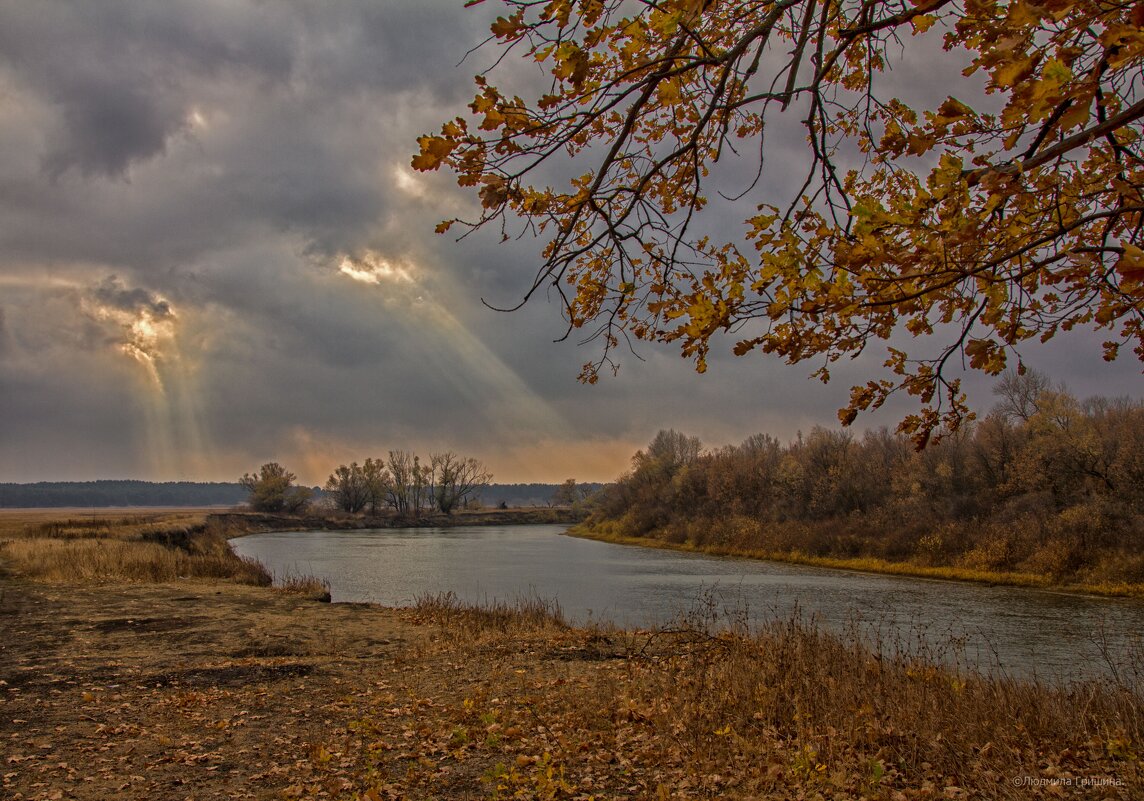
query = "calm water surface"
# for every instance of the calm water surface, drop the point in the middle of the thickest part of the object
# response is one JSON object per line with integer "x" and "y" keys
{"x": 1014, "y": 630}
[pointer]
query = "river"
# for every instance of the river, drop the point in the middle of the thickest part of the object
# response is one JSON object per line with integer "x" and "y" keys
{"x": 1015, "y": 631}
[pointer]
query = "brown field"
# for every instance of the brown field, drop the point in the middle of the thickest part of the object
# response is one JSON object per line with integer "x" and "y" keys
{"x": 121, "y": 545}
{"x": 204, "y": 688}
{"x": 118, "y": 520}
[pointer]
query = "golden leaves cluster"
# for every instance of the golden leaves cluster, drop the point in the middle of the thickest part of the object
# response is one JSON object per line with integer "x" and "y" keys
{"x": 974, "y": 226}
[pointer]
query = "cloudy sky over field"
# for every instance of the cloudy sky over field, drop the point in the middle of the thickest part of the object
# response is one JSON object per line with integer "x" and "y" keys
{"x": 213, "y": 254}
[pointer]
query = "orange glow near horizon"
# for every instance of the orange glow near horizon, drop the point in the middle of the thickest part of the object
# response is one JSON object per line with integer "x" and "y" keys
{"x": 313, "y": 457}
{"x": 555, "y": 461}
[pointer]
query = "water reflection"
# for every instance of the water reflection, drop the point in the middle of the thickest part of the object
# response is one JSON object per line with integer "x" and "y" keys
{"x": 1019, "y": 631}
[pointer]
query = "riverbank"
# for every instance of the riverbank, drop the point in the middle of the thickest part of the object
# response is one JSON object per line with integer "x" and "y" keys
{"x": 243, "y": 522}
{"x": 206, "y": 690}
{"x": 166, "y": 544}
{"x": 866, "y": 564}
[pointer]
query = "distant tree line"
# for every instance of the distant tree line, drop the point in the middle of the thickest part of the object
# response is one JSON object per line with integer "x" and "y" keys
{"x": 1045, "y": 483}
{"x": 568, "y": 493}
{"x": 110, "y": 493}
{"x": 120, "y": 493}
{"x": 402, "y": 483}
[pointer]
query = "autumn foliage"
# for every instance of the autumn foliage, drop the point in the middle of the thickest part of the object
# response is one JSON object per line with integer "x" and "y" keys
{"x": 976, "y": 223}
{"x": 1046, "y": 489}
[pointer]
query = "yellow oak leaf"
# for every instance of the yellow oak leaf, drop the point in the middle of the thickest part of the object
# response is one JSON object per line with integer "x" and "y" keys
{"x": 1130, "y": 266}
{"x": 434, "y": 150}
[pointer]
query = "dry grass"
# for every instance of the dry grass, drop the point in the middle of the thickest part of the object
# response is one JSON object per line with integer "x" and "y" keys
{"x": 117, "y": 523}
{"x": 868, "y": 564}
{"x": 839, "y": 715}
{"x": 525, "y": 613}
{"x": 307, "y": 586}
{"x": 785, "y": 711}
{"x": 447, "y": 700}
{"x": 140, "y": 547}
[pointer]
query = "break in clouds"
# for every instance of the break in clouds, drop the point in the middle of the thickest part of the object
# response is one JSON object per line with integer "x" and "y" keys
{"x": 213, "y": 253}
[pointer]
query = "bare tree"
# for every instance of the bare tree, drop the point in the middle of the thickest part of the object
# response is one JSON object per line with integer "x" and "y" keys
{"x": 455, "y": 479}
{"x": 377, "y": 483}
{"x": 409, "y": 490}
{"x": 1019, "y": 392}
{"x": 349, "y": 488}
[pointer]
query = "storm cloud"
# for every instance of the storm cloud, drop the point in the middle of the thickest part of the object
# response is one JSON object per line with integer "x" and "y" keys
{"x": 213, "y": 254}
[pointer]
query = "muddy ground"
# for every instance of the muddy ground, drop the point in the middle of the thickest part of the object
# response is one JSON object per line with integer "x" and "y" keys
{"x": 199, "y": 692}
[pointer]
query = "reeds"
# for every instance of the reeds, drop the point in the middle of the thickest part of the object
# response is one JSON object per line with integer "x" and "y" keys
{"x": 841, "y": 704}
{"x": 307, "y": 586}
{"x": 529, "y": 613}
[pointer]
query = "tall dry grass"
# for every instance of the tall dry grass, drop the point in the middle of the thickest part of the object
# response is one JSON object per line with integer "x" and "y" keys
{"x": 709, "y": 708}
{"x": 133, "y": 548}
{"x": 96, "y": 524}
{"x": 529, "y": 613}
{"x": 305, "y": 585}
{"x": 841, "y": 708}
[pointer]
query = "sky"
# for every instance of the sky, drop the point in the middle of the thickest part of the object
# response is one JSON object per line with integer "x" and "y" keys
{"x": 213, "y": 254}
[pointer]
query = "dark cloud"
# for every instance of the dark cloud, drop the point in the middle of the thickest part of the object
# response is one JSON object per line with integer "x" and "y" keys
{"x": 127, "y": 76}
{"x": 124, "y": 74}
{"x": 365, "y": 46}
{"x": 228, "y": 119}
{"x": 111, "y": 292}
{"x": 105, "y": 129}
{"x": 207, "y": 164}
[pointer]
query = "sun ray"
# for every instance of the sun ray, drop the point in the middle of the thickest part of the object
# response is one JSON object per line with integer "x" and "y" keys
{"x": 507, "y": 404}
{"x": 146, "y": 328}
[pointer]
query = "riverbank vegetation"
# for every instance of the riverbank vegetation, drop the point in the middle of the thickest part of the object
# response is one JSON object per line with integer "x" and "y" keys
{"x": 1046, "y": 489}
{"x": 710, "y": 709}
{"x": 239, "y": 523}
{"x": 508, "y": 701}
{"x": 147, "y": 547}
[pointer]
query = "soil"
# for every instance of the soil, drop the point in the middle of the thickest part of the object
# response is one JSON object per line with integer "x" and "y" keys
{"x": 200, "y": 690}
{"x": 196, "y": 691}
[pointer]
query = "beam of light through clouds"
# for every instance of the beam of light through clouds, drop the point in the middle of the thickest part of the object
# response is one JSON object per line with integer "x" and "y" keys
{"x": 213, "y": 254}
{"x": 479, "y": 377}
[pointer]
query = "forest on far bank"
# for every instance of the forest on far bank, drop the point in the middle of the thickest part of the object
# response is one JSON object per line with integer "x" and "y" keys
{"x": 114, "y": 492}
{"x": 119, "y": 492}
{"x": 1044, "y": 484}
